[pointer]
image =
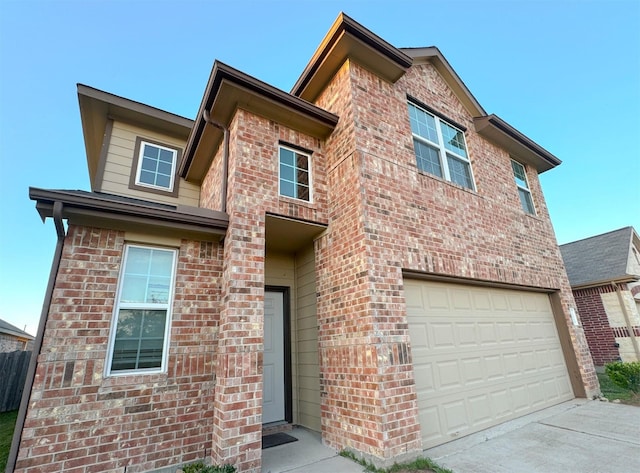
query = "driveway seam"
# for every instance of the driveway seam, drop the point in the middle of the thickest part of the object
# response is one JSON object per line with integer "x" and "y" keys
{"x": 589, "y": 433}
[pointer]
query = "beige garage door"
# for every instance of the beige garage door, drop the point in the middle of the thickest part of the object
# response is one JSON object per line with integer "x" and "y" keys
{"x": 481, "y": 356}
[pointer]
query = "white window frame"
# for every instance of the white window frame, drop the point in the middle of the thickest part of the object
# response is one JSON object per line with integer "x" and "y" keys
{"x": 143, "y": 144}
{"x": 442, "y": 150}
{"x": 309, "y": 172}
{"x": 142, "y": 306}
{"x": 526, "y": 189}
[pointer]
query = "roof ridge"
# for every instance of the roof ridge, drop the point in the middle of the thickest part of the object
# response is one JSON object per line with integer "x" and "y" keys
{"x": 629, "y": 227}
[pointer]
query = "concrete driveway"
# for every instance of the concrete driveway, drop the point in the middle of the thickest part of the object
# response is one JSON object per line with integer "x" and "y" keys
{"x": 576, "y": 436}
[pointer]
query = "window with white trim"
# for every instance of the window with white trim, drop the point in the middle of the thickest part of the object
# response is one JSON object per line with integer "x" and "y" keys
{"x": 440, "y": 147}
{"x": 140, "y": 327}
{"x": 295, "y": 174}
{"x": 520, "y": 176}
{"x": 156, "y": 166}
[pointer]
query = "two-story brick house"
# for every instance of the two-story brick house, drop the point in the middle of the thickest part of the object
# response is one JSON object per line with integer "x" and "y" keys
{"x": 369, "y": 256}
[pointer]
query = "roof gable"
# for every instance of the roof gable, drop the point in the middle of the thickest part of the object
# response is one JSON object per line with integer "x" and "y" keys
{"x": 348, "y": 39}
{"x": 98, "y": 107}
{"x": 229, "y": 89}
{"x": 600, "y": 259}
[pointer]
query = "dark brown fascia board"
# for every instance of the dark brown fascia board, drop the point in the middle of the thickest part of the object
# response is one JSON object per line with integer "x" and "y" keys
{"x": 122, "y": 214}
{"x": 348, "y": 39}
{"x": 229, "y": 89}
{"x": 433, "y": 56}
{"x": 97, "y": 107}
{"x": 521, "y": 148}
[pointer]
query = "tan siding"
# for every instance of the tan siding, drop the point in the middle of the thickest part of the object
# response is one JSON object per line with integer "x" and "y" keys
{"x": 117, "y": 169}
{"x": 308, "y": 371}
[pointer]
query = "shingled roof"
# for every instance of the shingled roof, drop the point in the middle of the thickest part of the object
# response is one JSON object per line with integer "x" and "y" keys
{"x": 7, "y": 328}
{"x": 599, "y": 259}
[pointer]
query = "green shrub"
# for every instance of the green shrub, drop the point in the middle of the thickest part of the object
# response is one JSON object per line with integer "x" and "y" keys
{"x": 625, "y": 375}
{"x": 200, "y": 467}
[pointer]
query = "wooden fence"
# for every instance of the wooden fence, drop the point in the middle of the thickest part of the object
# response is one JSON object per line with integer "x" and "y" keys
{"x": 13, "y": 372}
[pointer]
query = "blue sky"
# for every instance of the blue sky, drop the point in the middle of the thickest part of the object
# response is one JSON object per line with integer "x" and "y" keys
{"x": 565, "y": 73}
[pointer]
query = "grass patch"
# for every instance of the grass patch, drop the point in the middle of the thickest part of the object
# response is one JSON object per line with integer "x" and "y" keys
{"x": 7, "y": 424}
{"x": 613, "y": 392}
{"x": 419, "y": 465}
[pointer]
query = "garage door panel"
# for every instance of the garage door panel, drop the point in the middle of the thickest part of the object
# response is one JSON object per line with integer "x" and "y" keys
{"x": 429, "y": 417}
{"x": 480, "y": 409}
{"x": 455, "y": 416}
{"x": 473, "y": 370}
{"x": 443, "y": 335}
{"x": 481, "y": 356}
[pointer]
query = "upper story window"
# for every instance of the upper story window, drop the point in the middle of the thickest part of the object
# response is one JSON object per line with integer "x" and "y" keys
{"x": 154, "y": 167}
{"x": 440, "y": 147}
{"x": 295, "y": 174}
{"x": 139, "y": 337}
{"x": 523, "y": 187}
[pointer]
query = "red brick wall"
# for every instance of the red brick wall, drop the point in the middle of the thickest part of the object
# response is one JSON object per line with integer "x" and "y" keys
{"x": 368, "y": 401}
{"x": 80, "y": 421}
{"x": 386, "y": 216}
{"x": 596, "y": 326}
{"x": 253, "y": 184}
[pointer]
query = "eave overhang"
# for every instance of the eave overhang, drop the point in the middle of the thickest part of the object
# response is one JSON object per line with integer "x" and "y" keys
{"x": 627, "y": 278}
{"x": 229, "y": 89}
{"x": 98, "y": 107}
{"x": 347, "y": 39}
{"x": 116, "y": 212}
{"x": 432, "y": 55}
{"x": 500, "y": 133}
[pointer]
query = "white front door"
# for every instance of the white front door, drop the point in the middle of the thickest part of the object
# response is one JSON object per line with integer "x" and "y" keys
{"x": 273, "y": 391}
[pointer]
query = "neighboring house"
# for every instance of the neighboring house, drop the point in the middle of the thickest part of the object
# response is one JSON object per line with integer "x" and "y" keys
{"x": 604, "y": 272}
{"x": 14, "y": 339}
{"x": 369, "y": 256}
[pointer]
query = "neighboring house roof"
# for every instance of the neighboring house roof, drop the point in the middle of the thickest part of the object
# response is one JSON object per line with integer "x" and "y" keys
{"x": 600, "y": 259}
{"x": 8, "y": 329}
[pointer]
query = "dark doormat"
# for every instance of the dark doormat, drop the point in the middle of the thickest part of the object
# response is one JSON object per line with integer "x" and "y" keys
{"x": 274, "y": 440}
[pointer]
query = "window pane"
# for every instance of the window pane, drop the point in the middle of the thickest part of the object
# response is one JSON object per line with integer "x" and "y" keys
{"x": 139, "y": 339}
{"x": 151, "y": 152}
{"x": 166, "y": 156}
{"x": 303, "y": 192}
{"x": 453, "y": 139}
{"x": 459, "y": 172}
{"x": 519, "y": 174}
{"x": 428, "y": 158}
{"x": 302, "y": 161}
{"x": 147, "y": 177}
{"x": 164, "y": 168}
{"x": 156, "y": 167}
{"x": 287, "y": 188}
{"x": 149, "y": 164}
{"x": 525, "y": 200}
{"x": 287, "y": 172}
{"x": 287, "y": 157}
{"x": 163, "y": 181}
{"x": 294, "y": 174}
{"x": 422, "y": 123}
{"x": 302, "y": 177}
{"x": 147, "y": 275}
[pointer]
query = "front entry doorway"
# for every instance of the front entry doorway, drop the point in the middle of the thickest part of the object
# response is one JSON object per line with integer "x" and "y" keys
{"x": 276, "y": 391}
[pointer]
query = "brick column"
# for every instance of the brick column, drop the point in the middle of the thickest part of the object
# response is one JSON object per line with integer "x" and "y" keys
{"x": 237, "y": 416}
